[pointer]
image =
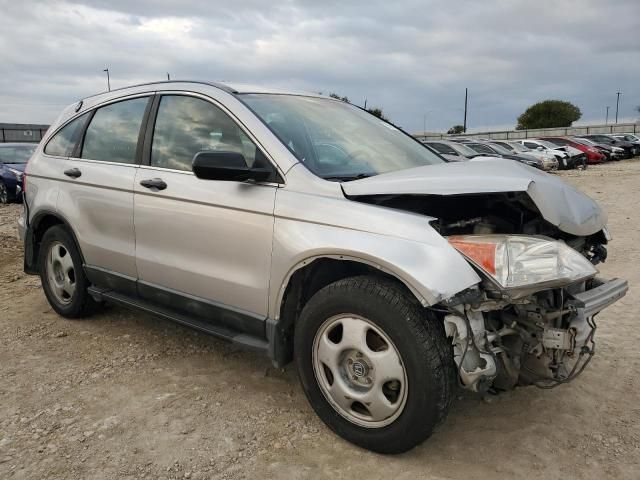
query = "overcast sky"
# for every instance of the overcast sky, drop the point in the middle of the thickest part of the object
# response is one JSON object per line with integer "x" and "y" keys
{"x": 412, "y": 58}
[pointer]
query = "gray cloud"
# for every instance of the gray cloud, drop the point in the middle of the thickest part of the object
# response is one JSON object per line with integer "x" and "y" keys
{"x": 411, "y": 58}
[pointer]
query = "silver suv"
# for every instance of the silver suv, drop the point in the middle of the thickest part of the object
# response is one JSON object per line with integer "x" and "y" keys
{"x": 311, "y": 230}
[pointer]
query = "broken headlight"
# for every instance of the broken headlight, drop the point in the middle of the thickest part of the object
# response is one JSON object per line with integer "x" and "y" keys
{"x": 515, "y": 261}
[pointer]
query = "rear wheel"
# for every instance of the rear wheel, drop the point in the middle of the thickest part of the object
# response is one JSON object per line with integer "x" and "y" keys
{"x": 374, "y": 366}
{"x": 63, "y": 279}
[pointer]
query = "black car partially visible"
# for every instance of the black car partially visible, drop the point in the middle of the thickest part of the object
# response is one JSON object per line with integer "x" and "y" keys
{"x": 629, "y": 148}
{"x": 13, "y": 159}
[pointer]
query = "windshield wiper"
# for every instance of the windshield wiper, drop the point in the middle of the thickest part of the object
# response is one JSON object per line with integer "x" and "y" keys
{"x": 347, "y": 178}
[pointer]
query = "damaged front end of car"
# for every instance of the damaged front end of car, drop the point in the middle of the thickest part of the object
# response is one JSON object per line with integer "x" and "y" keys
{"x": 535, "y": 242}
{"x": 532, "y": 318}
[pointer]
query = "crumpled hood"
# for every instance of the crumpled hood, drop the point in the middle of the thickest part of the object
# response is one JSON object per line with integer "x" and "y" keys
{"x": 560, "y": 204}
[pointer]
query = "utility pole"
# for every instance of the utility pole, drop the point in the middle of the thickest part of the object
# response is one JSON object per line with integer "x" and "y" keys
{"x": 617, "y": 105}
{"x": 108, "y": 80}
{"x": 606, "y": 120}
{"x": 464, "y": 126}
{"x": 168, "y": 77}
{"x": 424, "y": 128}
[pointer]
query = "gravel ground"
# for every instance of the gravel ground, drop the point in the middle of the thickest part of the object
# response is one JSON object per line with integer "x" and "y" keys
{"x": 127, "y": 395}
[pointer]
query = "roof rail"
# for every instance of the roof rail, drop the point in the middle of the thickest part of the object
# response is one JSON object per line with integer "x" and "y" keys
{"x": 221, "y": 86}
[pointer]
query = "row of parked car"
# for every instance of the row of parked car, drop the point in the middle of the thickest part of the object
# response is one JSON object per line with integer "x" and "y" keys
{"x": 545, "y": 153}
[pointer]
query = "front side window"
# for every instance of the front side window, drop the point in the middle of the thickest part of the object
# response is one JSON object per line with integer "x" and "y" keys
{"x": 112, "y": 135}
{"x": 336, "y": 140}
{"x": 186, "y": 126}
{"x": 62, "y": 143}
{"x": 531, "y": 145}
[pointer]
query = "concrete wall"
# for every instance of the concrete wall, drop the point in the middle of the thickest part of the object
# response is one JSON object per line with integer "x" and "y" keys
{"x": 542, "y": 132}
{"x": 22, "y": 132}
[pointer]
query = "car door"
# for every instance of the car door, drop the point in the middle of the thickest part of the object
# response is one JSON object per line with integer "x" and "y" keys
{"x": 96, "y": 195}
{"x": 203, "y": 246}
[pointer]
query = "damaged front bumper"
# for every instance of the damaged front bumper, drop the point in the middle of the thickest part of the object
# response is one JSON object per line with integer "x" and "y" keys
{"x": 499, "y": 345}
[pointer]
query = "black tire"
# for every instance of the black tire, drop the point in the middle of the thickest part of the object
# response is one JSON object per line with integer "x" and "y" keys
{"x": 80, "y": 304}
{"x": 416, "y": 334}
{"x": 4, "y": 194}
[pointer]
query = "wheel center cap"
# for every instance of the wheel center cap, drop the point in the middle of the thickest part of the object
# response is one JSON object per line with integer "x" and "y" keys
{"x": 359, "y": 369}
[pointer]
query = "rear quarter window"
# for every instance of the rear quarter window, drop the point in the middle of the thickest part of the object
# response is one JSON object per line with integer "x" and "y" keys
{"x": 62, "y": 143}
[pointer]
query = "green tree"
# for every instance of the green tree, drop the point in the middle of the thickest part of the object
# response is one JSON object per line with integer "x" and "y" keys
{"x": 377, "y": 111}
{"x": 338, "y": 97}
{"x": 455, "y": 130}
{"x": 549, "y": 114}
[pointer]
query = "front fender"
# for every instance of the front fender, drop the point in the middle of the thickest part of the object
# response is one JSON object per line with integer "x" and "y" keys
{"x": 428, "y": 265}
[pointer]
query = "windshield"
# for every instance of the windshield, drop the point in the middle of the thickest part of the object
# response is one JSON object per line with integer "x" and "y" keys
{"x": 464, "y": 150}
{"x": 500, "y": 149}
{"x": 336, "y": 140}
{"x": 16, "y": 154}
{"x": 550, "y": 145}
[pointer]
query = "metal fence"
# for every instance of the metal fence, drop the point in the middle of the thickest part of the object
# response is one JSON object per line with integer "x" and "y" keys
{"x": 16, "y": 132}
{"x": 541, "y": 132}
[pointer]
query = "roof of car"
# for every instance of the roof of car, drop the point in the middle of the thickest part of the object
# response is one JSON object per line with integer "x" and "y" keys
{"x": 229, "y": 87}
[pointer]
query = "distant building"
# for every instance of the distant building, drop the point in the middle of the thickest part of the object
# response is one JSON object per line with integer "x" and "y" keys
{"x": 22, "y": 132}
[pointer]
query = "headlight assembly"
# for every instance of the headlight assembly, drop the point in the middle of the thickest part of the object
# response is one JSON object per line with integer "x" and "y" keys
{"x": 517, "y": 261}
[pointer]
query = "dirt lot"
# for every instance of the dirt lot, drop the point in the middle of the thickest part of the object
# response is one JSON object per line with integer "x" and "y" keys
{"x": 126, "y": 395}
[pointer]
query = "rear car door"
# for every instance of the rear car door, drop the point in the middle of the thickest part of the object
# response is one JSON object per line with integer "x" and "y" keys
{"x": 202, "y": 246}
{"x": 96, "y": 197}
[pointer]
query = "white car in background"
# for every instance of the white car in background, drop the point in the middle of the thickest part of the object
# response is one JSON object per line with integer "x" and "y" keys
{"x": 567, "y": 159}
{"x": 548, "y": 159}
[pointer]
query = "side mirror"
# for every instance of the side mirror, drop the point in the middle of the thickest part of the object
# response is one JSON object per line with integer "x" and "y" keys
{"x": 227, "y": 166}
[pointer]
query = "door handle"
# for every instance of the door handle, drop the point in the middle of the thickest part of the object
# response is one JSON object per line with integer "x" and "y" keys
{"x": 154, "y": 184}
{"x": 73, "y": 172}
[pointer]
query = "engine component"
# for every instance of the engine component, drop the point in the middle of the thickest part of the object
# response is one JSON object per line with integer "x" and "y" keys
{"x": 476, "y": 366}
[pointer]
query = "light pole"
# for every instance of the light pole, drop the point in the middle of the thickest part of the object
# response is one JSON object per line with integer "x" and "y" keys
{"x": 617, "y": 105}
{"x": 606, "y": 120}
{"x": 168, "y": 77}
{"x": 464, "y": 126}
{"x": 108, "y": 79}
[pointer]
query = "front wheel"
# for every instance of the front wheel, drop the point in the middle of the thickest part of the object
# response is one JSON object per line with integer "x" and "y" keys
{"x": 376, "y": 368}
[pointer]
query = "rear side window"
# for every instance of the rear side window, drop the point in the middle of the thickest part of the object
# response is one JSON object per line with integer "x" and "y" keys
{"x": 62, "y": 143}
{"x": 188, "y": 125}
{"x": 112, "y": 135}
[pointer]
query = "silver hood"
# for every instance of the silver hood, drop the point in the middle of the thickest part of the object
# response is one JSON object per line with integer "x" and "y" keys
{"x": 560, "y": 204}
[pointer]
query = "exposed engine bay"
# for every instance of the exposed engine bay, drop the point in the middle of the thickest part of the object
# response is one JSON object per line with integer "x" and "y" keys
{"x": 488, "y": 213}
{"x": 501, "y": 338}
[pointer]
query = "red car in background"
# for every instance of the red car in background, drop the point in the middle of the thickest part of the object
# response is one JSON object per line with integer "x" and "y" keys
{"x": 593, "y": 154}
